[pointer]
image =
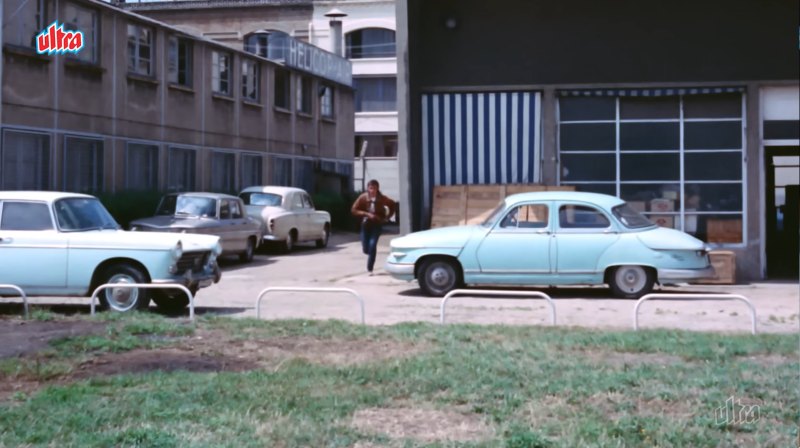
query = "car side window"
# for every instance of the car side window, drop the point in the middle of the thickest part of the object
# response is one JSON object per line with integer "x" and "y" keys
{"x": 581, "y": 217}
{"x": 307, "y": 202}
{"x": 26, "y": 216}
{"x": 298, "y": 201}
{"x": 225, "y": 210}
{"x": 236, "y": 210}
{"x": 529, "y": 216}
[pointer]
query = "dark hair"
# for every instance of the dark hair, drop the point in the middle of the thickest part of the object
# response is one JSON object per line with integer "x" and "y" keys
{"x": 375, "y": 183}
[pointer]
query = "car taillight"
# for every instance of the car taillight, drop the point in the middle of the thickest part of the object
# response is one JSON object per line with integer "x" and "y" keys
{"x": 271, "y": 225}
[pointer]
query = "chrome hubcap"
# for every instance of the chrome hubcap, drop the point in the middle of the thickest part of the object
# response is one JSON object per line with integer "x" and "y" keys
{"x": 631, "y": 278}
{"x": 121, "y": 299}
{"x": 440, "y": 276}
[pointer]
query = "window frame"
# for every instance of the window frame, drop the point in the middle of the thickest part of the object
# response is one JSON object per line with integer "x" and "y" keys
{"x": 217, "y": 73}
{"x": 135, "y": 59}
{"x": 39, "y": 23}
{"x": 305, "y": 87}
{"x": 5, "y": 203}
{"x": 359, "y": 99}
{"x": 174, "y": 69}
{"x": 46, "y": 151}
{"x": 228, "y": 158}
{"x": 171, "y": 151}
{"x": 327, "y": 102}
{"x": 357, "y": 51}
{"x": 246, "y": 66}
{"x": 93, "y": 43}
{"x": 282, "y": 93}
{"x": 98, "y": 162}
{"x": 154, "y": 151}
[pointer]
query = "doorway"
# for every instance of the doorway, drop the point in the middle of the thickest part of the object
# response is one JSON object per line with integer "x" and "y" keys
{"x": 783, "y": 208}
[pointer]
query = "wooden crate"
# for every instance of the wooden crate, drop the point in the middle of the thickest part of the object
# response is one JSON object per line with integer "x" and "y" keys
{"x": 481, "y": 200}
{"x": 449, "y": 205}
{"x": 724, "y": 263}
{"x": 724, "y": 230}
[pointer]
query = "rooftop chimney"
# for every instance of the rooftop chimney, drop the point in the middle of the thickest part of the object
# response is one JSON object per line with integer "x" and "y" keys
{"x": 335, "y": 15}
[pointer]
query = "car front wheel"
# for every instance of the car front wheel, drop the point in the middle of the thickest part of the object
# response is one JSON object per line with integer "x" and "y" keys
{"x": 170, "y": 301}
{"x": 124, "y": 299}
{"x": 631, "y": 282}
{"x": 438, "y": 276}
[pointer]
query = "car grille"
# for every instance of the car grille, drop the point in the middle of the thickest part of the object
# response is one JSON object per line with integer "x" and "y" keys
{"x": 193, "y": 261}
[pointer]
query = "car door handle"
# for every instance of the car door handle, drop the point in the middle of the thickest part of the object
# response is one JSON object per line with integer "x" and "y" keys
{"x": 543, "y": 232}
{"x": 6, "y": 240}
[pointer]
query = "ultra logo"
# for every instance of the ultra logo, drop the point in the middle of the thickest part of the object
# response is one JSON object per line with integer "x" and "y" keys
{"x": 54, "y": 39}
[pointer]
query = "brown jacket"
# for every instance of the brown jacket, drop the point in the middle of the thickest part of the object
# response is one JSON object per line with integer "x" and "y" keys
{"x": 360, "y": 208}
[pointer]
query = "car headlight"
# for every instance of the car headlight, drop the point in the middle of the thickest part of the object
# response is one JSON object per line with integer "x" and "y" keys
{"x": 177, "y": 251}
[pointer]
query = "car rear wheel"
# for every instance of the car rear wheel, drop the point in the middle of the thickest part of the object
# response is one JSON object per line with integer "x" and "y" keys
{"x": 326, "y": 235}
{"x": 171, "y": 302}
{"x": 250, "y": 250}
{"x": 631, "y": 282}
{"x": 439, "y": 276}
{"x": 288, "y": 244}
{"x": 124, "y": 299}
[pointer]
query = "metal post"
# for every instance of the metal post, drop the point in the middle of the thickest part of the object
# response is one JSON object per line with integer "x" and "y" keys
{"x": 147, "y": 286}
{"x": 293, "y": 289}
{"x": 20, "y": 291}
{"x": 686, "y": 296}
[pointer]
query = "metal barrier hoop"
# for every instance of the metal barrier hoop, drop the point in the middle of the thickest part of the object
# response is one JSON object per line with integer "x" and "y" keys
{"x": 21, "y": 293}
{"x": 528, "y": 294}
{"x": 700, "y": 295}
{"x": 265, "y": 291}
{"x": 147, "y": 286}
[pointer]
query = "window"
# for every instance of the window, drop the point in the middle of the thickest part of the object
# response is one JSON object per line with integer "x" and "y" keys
{"x": 223, "y": 172}
{"x": 179, "y": 62}
{"x": 26, "y": 20}
{"x": 677, "y": 159}
{"x": 225, "y": 209}
{"x": 140, "y": 45}
{"x": 25, "y": 161}
{"x": 378, "y": 145}
{"x": 83, "y": 165}
{"x": 250, "y": 79}
{"x": 141, "y": 167}
{"x": 236, "y": 210}
{"x": 581, "y": 217}
{"x": 303, "y": 174}
{"x": 182, "y": 169}
{"x": 26, "y": 216}
{"x": 375, "y": 94}
{"x": 370, "y": 43}
{"x": 282, "y": 86}
{"x": 282, "y": 171}
{"x": 307, "y": 203}
{"x": 304, "y": 95}
{"x": 531, "y": 216}
{"x": 221, "y": 73}
{"x": 256, "y": 43}
{"x": 85, "y": 20}
{"x": 252, "y": 171}
{"x": 326, "y": 102}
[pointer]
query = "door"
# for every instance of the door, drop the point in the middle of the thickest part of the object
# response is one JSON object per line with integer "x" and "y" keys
{"x": 782, "y": 209}
{"x": 520, "y": 244}
{"x": 33, "y": 254}
{"x": 582, "y": 235}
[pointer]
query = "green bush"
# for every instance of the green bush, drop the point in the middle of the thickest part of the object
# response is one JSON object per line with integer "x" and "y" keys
{"x": 338, "y": 205}
{"x": 125, "y": 206}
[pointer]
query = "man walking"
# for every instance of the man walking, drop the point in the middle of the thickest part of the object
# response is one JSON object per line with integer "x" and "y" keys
{"x": 373, "y": 209}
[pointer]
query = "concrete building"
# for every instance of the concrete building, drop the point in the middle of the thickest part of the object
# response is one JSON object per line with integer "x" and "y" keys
{"x": 145, "y": 105}
{"x": 688, "y": 109}
{"x": 367, "y": 39}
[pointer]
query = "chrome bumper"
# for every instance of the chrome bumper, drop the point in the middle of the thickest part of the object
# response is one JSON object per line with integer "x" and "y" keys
{"x": 194, "y": 280}
{"x": 401, "y": 271}
{"x": 686, "y": 274}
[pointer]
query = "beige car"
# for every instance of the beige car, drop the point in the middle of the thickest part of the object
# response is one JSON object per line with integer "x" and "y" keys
{"x": 287, "y": 215}
{"x": 208, "y": 213}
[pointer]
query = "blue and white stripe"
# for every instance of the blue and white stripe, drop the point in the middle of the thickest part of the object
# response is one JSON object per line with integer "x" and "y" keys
{"x": 479, "y": 138}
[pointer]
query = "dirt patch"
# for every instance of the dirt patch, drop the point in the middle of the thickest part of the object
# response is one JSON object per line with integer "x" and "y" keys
{"x": 424, "y": 425}
{"x": 621, "y": 359}
{"x": 164, "y": 360}
{"x": 21, "y": 337}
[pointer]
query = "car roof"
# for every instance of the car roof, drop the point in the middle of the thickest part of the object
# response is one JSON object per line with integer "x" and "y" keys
{"x": 273, "y": 189}
{"x": 203, "y": 194}
{"x": 48, "y": 196}
{"x": 602, "y": 200}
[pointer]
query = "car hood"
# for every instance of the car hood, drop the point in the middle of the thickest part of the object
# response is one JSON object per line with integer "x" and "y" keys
{"x": 121, "y": 239}
{"x": 451, "y": 237}
{"x": 669, "y": 239}
{"x": 173, "y": 222}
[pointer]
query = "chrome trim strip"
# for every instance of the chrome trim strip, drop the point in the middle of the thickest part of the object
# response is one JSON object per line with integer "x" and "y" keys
{"x": 686, "y": 274}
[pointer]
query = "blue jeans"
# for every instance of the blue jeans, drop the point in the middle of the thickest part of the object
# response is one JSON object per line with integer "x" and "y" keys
{"x": 369, "y": 242}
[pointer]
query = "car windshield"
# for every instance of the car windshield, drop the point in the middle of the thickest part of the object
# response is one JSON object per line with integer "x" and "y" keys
{"x": 496, "y": 213}
{"x": 182, "y": 205}
{"x": 262, "y": 199}
{"x": 630, "y": 218}
{"x": 82, "y": 214}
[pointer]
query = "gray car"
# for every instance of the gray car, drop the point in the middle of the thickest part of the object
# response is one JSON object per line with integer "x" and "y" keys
{"x": 207, "y": 213}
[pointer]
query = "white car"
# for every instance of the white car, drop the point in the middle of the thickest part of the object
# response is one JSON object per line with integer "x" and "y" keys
{"x": 287, "y": 215}
{"x": 67, "y": 244}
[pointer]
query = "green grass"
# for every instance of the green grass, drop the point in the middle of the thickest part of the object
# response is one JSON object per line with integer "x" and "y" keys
{"x": 533, "y": 386}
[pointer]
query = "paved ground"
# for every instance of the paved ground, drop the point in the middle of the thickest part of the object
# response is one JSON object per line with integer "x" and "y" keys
{"x": 388, "y": 301}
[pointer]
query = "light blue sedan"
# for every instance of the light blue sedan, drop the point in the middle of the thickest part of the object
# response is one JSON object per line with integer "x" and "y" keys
{"x": 551, "y": 238}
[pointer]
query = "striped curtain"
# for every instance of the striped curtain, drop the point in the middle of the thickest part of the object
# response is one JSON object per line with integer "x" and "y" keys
{"x": 479, "y": 138}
